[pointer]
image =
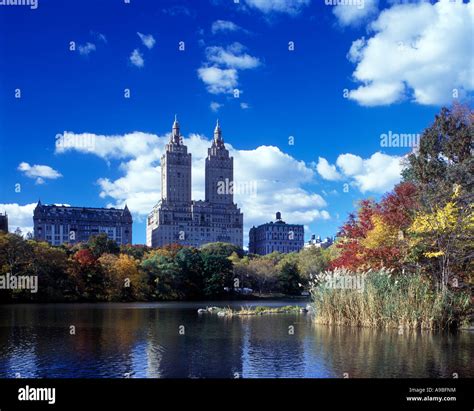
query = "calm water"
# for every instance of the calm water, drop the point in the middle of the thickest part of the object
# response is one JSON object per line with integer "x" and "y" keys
{"x": 143, "y": 340}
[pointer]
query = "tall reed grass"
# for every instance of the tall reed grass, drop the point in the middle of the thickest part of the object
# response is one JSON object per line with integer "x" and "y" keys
{"x": 386, "y": 300}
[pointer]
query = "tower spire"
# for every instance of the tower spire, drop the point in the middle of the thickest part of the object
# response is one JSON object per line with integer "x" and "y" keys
{"x": 218, "y": 133}
{"x": 175, "y": 131}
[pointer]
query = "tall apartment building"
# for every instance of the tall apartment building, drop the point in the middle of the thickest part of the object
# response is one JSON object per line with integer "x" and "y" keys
{"x": 176, "y": 218}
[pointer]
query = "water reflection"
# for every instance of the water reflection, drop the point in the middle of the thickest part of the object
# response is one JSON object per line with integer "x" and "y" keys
{"x": 144, "y": 340}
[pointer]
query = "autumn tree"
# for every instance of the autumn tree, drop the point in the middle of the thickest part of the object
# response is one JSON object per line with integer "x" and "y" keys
{"x": 86, "y": 271}
{"x": 446, "y": 236}
{"x": 51, "y": 264}
{"x": 126, "y": 282}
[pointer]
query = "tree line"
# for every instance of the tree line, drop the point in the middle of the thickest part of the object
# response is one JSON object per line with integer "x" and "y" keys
{"x": 423, "y": 227}
{"x": 100, "y": 270}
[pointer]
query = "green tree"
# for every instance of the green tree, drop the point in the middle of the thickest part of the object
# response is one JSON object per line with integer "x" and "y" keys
{"x": 289, "y": 279}
{"x": 101, "y": 244}
{"x": 444, "y": 158}
{"x": 312, "y": 260}
{"x": 15, "y": 254}
{"x": 191, "y": 272}
{"x": 136, "y": 251}
{"x": 217, "y": 270}
{"x": 222, "y": 249}
{"x": 263, "y": 273}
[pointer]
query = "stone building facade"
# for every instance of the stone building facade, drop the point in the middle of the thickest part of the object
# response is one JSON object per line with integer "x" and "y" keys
{"x": 58, "y": 224}
{"x": 176, "y": 218}
{"x": 276, "y": 236}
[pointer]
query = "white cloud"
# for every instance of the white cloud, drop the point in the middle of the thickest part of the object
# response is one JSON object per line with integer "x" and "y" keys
{"x": 111, "y": 146}
{"x": 215, "y": 106}
{"x": 136, "y": 58}
{"x": 378, "y": 174}
{"x": 350, "y": 164}
{"x": 147, "y": 39}
{"x": 220, "y": 72}
{"x": 269, "y": 179}
{"x": 39, "y": 172}
{"x": 327, "y": 171}
{"x": 244, "y": 106}
{"x": 224, "y": 26}
{"x": 419, "y": 51}
{"x": 233, "y": 56}
{"x": 19, "y": 216}
{"x": 218, "y": 80}
{"x": 291, "y": 7}
{"x": 352, "y": 13}
{"x": 86, "y": 49}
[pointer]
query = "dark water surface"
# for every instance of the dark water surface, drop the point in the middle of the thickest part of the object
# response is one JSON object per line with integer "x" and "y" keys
{"x": 143, "y": 340}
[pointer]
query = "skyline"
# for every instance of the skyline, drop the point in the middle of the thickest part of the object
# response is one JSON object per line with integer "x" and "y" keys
{"x": 307, "y": 121}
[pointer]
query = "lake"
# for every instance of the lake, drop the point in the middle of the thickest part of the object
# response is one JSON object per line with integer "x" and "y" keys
{"x": 170, "y": 340}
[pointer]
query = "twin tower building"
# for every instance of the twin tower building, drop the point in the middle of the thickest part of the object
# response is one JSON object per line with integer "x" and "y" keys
{"x": 177, "y": 219}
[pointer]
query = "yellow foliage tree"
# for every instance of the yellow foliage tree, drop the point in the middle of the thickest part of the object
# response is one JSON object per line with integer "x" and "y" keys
{"x": 124, "y": 277}
{"x": 446, "y": 234}
{"x": 381, "y": 235}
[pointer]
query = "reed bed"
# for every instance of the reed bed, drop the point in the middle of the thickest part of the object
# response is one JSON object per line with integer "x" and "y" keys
{"x": 387, "y": 300}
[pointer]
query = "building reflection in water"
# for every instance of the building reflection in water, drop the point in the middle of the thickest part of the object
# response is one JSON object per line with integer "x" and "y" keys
{"x": 144, "y": 340}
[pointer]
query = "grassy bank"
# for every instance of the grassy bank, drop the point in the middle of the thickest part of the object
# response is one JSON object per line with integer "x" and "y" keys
{"x": 387, "y": 300}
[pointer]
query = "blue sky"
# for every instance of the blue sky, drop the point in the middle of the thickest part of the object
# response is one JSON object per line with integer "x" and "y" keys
{"x": 305, "y": 130}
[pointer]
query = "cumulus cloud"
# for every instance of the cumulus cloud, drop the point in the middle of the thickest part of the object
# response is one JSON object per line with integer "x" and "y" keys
{"x": 352, "y": 13}
{"x": 215, "y": 106}
{"x": 86, "y": 49}
{"x": 39, "y": 172}
{"x": 147, "y": 39}
{"x": 218, "y": 80}
{"x": 19, "y": 216}
{"x": 136, "y": 58}
{"x": 224, "y": 26}
{"x": 291, "y": 7}
{"x": 327, "y": 171}
{"x": 220, "y": 72}
{"x": 419, "y": 51}
{"x": 377, "y": 174}
{"x": 265, "y": 177}
{"x": 232, "y": 56}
